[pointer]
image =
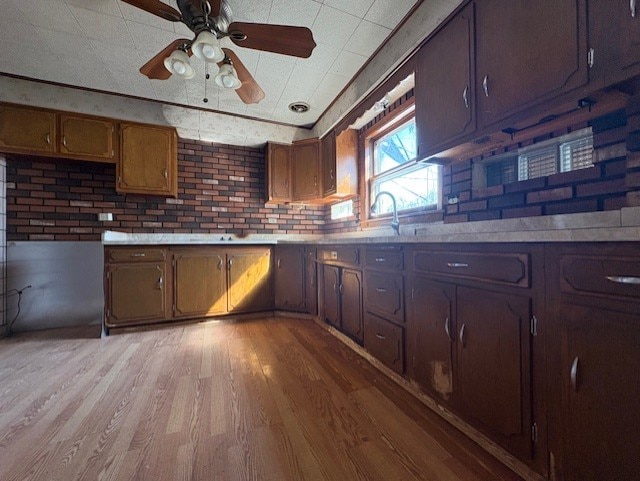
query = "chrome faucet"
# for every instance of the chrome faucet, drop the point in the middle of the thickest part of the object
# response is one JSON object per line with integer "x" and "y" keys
{"x": 395, "y": 222}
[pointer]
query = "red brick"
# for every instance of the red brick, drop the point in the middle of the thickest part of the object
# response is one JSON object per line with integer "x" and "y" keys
{"x": 601, "y": 188}
{"x": 488, "y": 191}
{"x": 470, "y": 206}
{"x": 550, "y": 195}
{"x": 590, "y": 205}
{"x": 529, "y": 211}
{"x": 573, "y": 176}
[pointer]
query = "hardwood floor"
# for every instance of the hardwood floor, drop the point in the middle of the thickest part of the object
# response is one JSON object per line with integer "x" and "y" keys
{"x": 275, "y": 399}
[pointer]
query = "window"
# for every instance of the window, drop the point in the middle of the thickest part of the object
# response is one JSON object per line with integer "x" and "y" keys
{"x": 570, "y": 152}
{"x": 395, "y": 169}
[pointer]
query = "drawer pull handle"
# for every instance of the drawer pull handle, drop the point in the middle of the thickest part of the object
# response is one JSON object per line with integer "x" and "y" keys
{"x": 624, "y": 279}
{"x": 138, "y": 254}
{"x": 447, "y": 328}
{"x": 485, "y": 85}
{"x": 48, "y": 139}
{"x": 380, "y": 289}
{"x": 574, "y": 373}
{"x": 465, "y": 97}
{"x": 381, "y": 259}
{"x": 457, "y": 264}
{"x": 380, "y": 336}
{"x": 463, "y": 337}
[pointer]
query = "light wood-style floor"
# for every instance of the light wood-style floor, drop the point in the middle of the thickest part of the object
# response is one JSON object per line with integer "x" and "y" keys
{"x": 274, "y": 399}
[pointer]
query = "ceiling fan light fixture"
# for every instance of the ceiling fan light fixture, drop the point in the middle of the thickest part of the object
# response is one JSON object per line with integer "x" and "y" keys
{"x": 227, "y": 77}
{"x": 178, "y": 64}
{"x": 206, "y": 47}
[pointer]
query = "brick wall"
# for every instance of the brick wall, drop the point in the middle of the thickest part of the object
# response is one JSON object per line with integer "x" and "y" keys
{"x": 220, "y": 189}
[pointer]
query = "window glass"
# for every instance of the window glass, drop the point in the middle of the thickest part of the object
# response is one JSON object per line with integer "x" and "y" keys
{"x": 396, "y": 148}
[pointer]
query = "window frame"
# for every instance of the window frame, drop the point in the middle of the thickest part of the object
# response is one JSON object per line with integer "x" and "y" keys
{"x": 392, "y": 121}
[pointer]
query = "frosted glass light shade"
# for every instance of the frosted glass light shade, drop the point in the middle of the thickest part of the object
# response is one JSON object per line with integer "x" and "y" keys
{"x": 206, "y": 47}
{"x": 227, "y": 77}
{"x": 178, "y": 64}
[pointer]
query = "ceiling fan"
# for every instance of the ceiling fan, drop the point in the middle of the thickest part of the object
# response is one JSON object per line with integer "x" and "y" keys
{"x": 210, "y": 20}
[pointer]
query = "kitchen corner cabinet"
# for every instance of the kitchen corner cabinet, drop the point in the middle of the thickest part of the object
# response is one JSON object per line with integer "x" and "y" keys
{"x": 445, "y": 89}
{"x": 135, "y": 286}
{"x": 594, "y": 361}
{"x": 148, "y": 161}
{"x": 339, "y": 162}
{"x": 614, "y": 36}
{"x": 527, "y": 52}
{"x": 278, "y": 172}
{"x": 27, "y": 130}
{"x": 250, "y": 283}
{"x": 306, "y": 170}
{"x": 290, "y": 278}
{"x": 87, "y": 138}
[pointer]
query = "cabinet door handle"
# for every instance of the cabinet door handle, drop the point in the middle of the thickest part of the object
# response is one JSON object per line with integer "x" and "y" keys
{"x": 575, "y": 365}
{"x": 380, "y": 336}
{"x": 138, "y": 254}
{"x": 335, "y": 287}
{"x": 48, "y": 139}
{"x": 632, "y": 5}
{"x": 279, "y": 263}
{"x": 219, "y": 264}
{"x": 341, "y": 289}
{"x": 463, "y": 337}
{"x": 286, "y": 183}
{"x": 381, "y": 290}
{"x": 485, "y": 85}
{"x": 447, "y": 328}
{"x": 161, "y": 283}
{"x": 623, "y": 279}
{"x": 315, "y": 180}
{"x": 381, "y": 259}
{"x": 313, "y": 279}
{"x": 457, "y": 265}
{"x": 64, "y": 140}
{"x": 465, "y": 96}
{"x": 230, "y": 263}
{"x": 165, "y": 173}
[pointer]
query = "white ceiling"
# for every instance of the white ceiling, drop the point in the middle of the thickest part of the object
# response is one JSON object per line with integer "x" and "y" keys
{"x": 101, "y": 44}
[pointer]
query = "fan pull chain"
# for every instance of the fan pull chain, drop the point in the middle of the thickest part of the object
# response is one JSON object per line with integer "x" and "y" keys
{"x": 206, "y": 77}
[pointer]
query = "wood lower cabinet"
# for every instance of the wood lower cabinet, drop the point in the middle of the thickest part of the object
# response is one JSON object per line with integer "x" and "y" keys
{"x": 311, "y": 281}
{"x": 385, "y": 341}
{"x": 384, "y": 295}
{"x": 148, "y": 161}
{"x": 250, "y": 285}
{"x": 200, "y": 283}
{"x": 27, "y": 130}
{"x": 135, "y": 288}
{"x": 331, "y": 295}
{"x": 87, "y": 138}
{"x": 342, "y": 300}
{"x": 290, "y": 276}
{"x": 594, "y": 360}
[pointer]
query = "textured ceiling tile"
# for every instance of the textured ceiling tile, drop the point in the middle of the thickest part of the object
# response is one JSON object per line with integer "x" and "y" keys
{"x": 347, "y": 64}
{"x": 11, "y": 13}
{"x": 367, "y": 38}
{"x": 300, "y": 13}
{"x": 250, "y": 10}
{"x": 52, "y": 15}
{"x": 333, "y": 27}
{"x": 389, "y": 14}
{"x": 97, "y": 26}
{"x": 146, "y": 37}
{"x": 358, "y": 8}
{"x": 129, "y": 12}
{"x": 110, "y": 7}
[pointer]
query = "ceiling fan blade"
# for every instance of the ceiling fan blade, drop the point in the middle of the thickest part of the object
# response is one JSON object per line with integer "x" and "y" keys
{"x": 156, "y": 7}
{"x": 215, "y": 8}
{"x": 249, "y": 92}
{"x": 154, "y": 68}
{"x": 284, "y": 39}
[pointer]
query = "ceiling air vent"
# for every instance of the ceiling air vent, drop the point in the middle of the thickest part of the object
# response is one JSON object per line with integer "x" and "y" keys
{"x": 299, "y": 107}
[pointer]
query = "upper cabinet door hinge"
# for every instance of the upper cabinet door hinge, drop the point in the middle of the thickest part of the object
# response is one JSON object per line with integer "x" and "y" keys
{"x": 534, "y": 326}
{"x": 591, "y": 57}
{"x": 534, "y": 433}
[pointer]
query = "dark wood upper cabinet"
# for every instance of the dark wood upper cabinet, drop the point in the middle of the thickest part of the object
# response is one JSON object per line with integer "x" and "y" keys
{"x": 306, "y": 170}
{"x": 614, "y": 36}
{"x": 527, "y": 52}
{"x": 278, "y": 172}
{"x": 444, "y": 85}
{"x": 339, "y": 162}
{"x": 328, "y": 156}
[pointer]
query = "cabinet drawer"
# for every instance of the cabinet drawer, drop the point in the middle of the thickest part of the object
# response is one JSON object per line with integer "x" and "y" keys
{"x": 135, "y": 255}
{"x": 389, "y": 259}
{"x": 605, "y": 275}
{"x": 384, "y": 341}
{"x": 490, "y": 267}
{"x": 384, "y": 295}
{"x": 340, "y": 255}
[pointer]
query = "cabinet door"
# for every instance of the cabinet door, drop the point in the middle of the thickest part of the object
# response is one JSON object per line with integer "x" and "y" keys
{"x": 148, "y": 160}
{"x": 600, "y": 366}
{"x": 27, "y": 130}
{"x": 351, "y": 303}
{"x": 384, "y": 294}
{"x": 385, "y": 341}
{"x": 346, "y": 163}
{"x": 306, "y": 170}
{"x": 616, "y": 49}
{"x": 328, "y": 164}
{"x": 200, "y": 287}
{"x": 331, "y": 295}
{"x": 527, "y": 52}
{"x": 278, "y": 172}
{"x": 87, "y": 138}
{"x": 432, "y": 336}
{"x": 135, "y": 293}
{"x": 445, "y": 90}
{"x": 289, "y": 278}
{"x": 311, "y": 282}
{"x": 494, "y": 365}
{"x": 250, "y": 283}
